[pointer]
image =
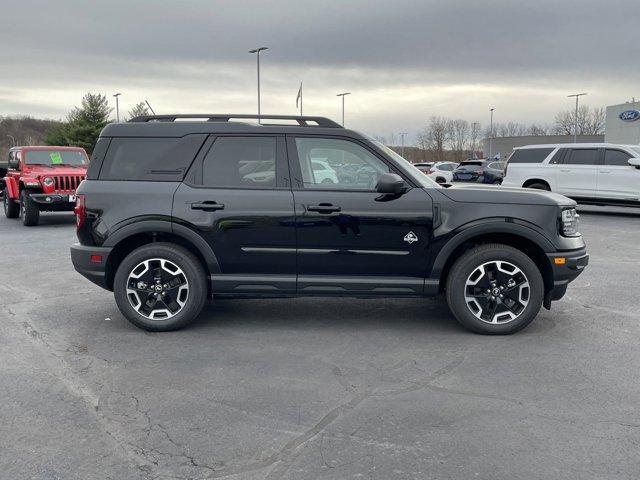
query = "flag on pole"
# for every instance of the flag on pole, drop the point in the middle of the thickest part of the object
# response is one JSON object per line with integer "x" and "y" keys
{"x": 299, "y": 98}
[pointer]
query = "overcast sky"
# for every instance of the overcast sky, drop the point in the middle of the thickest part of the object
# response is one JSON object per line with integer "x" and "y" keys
{"x": 403, "y": 60}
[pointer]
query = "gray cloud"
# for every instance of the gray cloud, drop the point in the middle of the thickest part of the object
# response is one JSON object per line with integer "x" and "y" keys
{"x": 195, "y": 54}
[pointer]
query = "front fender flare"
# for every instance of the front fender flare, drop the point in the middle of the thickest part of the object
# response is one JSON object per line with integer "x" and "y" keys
{"x": 12, "y": 188}
{"x": 489, "y": 227}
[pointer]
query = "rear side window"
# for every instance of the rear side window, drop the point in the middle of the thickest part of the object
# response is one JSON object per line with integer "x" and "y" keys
{"x": 150, "y": 158}
{"x": 616, "y": 157}
{"x": 241, "y": 162}
{"x": 582, "y": 156}
{"x": 530, "y": 155}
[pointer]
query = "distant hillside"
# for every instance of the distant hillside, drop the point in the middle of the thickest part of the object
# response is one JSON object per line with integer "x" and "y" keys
{"x": 25, "y": 130}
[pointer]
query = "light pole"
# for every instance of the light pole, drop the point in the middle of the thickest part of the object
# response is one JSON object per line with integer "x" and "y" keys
{"x": 402, "y": 134}
{"x": 491, "y": 134}
{"x": 257, "y": 52}
{"x": 117, "y": 107}
{"x": 344, "y": 94}
{"x": 13, "y": 139}
{"x": 575, "y": 129}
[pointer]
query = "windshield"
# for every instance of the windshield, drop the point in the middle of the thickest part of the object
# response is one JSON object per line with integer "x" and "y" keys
{"x": 55, "y": 157}
{"x": 416, "y": 174}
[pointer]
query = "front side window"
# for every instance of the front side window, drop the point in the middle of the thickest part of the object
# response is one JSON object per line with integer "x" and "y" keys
{"x": 330, "y": 163}
{"x": 616, "y": 158}
{"x": 74, "y": 158}
{"x": 582, "y": 156}
{"x": 241, "y": 162}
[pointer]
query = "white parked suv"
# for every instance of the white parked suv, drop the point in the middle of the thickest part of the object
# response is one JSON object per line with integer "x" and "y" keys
{"x": 442, "y": 172}
{"x": 599, "y": 173}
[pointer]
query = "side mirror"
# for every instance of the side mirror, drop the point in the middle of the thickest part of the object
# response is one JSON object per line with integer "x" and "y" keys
{"x": 634, "y": 162}
{"x": 391, "y": 183}
{"x": 14, "y": 163}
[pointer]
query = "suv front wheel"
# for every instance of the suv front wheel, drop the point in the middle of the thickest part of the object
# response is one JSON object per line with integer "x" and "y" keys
{"x": 495, "y": 289}
{"x": 160, "y": 287}
{"x": 29, "y": 213}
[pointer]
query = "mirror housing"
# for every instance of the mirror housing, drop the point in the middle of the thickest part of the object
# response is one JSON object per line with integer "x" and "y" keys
{"x": 634, "y": 162}
{"x": 14, "y": 163}
{"x": 391, "y": 183}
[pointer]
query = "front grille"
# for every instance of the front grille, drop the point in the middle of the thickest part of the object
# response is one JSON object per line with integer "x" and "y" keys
{"x": 67, "y": 183}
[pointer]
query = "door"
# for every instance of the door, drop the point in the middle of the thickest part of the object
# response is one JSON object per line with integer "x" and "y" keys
{"x": 617, "y": 180}
{"x": 577, "y": 175}
{"x": 237, "y": 195}
{"x": 350, "y": 237}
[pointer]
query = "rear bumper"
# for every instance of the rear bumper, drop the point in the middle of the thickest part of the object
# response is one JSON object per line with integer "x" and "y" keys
{"x": 566, "y": 267}
{"x": 91, "y": 262}
{"x": 53, "y": 201}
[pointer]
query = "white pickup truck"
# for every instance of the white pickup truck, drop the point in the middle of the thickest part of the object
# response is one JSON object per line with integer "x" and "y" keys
{"x": 596, "y": 173}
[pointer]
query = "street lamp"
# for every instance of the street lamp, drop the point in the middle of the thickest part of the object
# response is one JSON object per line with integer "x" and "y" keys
{"x": 575, "y": 130}
{"x": 117, "y": 107}
{"x": 344, "y": 94}
{"x": 491, "y": 134}
{"x": 402, "y": 134}
{"x": 257, "y": 52}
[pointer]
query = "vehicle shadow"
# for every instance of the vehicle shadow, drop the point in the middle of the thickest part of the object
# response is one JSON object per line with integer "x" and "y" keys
{"x": 410, "y": 314}
{"x": 48, "y": 219}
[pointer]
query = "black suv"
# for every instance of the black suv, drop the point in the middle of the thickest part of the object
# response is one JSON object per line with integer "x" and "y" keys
{"x": 179, "y": 209}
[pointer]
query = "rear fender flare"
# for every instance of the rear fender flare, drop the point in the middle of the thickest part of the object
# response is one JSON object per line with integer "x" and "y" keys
{"x": 166, "y": 226}
{"x": 13, "y": 191}
{"x": 491, "y": 227}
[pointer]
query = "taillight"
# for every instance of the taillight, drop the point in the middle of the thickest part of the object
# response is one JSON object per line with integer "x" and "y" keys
{"x": 429, "y": 172}
{"x": 80, "y": 211}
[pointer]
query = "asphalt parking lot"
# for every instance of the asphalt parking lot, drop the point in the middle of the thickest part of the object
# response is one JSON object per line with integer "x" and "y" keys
{"x": 316, "y": 388}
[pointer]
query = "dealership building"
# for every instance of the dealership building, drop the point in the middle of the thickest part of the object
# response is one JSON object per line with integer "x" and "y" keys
{"x": 622, "y": 125}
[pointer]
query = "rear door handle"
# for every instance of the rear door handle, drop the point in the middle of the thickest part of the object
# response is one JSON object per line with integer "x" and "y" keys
{"x": 323, "y": 208}
{"x": 565, "y": 170}
{"x": 208, "y": 206}
{"x": 605, "y": 171}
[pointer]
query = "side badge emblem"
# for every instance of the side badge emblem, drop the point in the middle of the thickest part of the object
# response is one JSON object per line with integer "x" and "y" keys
{"x": 410, "y": 237}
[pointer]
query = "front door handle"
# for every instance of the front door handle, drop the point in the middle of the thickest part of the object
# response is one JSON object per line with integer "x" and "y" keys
{"x": 605, "y": 171}
{"x": 208, "y": 206}
{"x": 323, "y": 208}
{"x": 565, "y": 170}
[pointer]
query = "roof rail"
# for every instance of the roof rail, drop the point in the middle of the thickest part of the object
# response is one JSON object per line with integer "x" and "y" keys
{"x": 303, "y": 121}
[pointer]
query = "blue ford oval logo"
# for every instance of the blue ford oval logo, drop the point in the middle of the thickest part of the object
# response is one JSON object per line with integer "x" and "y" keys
{"x": 630, "y": 115}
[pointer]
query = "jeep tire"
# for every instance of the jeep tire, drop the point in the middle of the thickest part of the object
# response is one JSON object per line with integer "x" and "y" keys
{"x": 11, "y": 207}
{"x": 159, "y": 265}
{"x": 494, "y": 289}
{"x": 29, "y": 213}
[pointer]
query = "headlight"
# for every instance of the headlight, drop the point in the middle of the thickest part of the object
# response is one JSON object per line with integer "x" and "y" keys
{"x": 48, "y": 182}
{"x": 569, "y": 223}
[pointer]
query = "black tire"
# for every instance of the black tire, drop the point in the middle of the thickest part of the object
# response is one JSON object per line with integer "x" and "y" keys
{"x": 11, "y": 207}
{"x": 539, "y": 186}
{"x": 468, "y": 264}
{"x": 29, "y": 213}
{"x": 441, "y": 180}
{"x": 191, "y": 269}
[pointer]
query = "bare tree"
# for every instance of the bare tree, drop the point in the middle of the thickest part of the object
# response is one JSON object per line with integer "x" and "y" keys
{"x": 473, "y": 137}
{"x": 458, "y": 138}
{"x": 437, "y": 135}
{"x": 590, "y": 122}
{"x": 138, "y": 110}
{"x": 537, "y": 130}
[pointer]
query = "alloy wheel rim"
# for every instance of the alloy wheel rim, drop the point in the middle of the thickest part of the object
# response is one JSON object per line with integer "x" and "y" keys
{"x": 497, "y": 292}
{"x": 157, "y": 289}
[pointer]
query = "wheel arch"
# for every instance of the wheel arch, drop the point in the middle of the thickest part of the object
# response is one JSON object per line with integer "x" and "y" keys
{"x": 133, "y": 236}
{"x": 531, "y": 181}
{"x": 523, "y": 238}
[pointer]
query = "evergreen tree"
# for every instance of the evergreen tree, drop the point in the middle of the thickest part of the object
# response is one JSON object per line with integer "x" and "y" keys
{"x": 83, "y": 125}
{"x": 138, "y": 110}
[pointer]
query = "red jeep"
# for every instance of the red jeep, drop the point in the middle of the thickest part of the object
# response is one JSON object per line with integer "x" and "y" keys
{"x": 42, "y": 179}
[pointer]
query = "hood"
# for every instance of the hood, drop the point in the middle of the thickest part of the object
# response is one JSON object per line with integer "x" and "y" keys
{"x": 502, "y": 195}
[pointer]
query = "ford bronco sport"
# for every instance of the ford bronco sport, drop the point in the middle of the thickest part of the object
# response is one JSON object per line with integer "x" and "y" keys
{"x": 42, "y": 179}
{"x": 172, "y": 214}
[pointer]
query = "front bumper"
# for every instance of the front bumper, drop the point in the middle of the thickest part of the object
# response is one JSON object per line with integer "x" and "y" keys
{"x": 566, "y": 266}
{"x": 91, "y": 262}
{"x": 56, "y": 202}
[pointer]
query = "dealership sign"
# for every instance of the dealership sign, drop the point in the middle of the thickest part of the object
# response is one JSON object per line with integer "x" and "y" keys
{"x": 630, "y": 115}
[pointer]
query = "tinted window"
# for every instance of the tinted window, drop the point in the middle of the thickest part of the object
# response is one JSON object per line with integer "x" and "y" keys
{"x": 448, "y": 167}
{"x": 353, "y": 166}
{"x": 616, "y": 157}
{"x": 530, "y": 155}
{"x": 241, "y": 162}
{"x": 154, "y": 159}
{"x": 582, "y": 156}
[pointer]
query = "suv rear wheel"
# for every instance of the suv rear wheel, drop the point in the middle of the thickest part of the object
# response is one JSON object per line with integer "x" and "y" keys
{"x": 29, "y": 213}
{"x": 11, "y": 207}
{"x": 495, "y": 289}
{"x": 160, "y": 287}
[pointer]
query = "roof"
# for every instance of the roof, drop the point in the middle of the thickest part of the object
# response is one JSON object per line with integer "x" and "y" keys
{"x": 45, "y": 147}
{"x": 573, "y": 145}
